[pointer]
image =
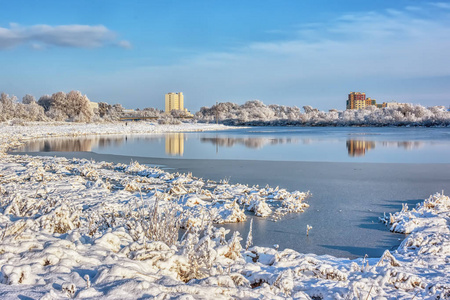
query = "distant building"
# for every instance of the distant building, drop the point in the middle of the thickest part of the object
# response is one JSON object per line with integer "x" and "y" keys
{"x": 129, "y": 111}
{"x": 370, "y": 101}
{"x": 393, "y": 104}
{"x": 356, "y": 100}
{"x": 174, "y": 101}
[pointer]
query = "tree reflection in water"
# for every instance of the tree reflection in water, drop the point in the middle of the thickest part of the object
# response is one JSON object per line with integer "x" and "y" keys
{"x": 249, "y": 142}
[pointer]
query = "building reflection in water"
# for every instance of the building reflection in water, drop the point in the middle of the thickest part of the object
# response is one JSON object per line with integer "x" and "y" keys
{"x": 175, "y": 144}
{"x": 359, "y": 147}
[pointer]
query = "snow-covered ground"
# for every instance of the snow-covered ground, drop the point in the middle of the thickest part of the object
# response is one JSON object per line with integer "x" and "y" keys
{"x": 85, "y": 229}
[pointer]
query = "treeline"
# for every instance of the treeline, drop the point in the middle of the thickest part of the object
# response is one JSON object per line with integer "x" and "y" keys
{"x": 74, "y": 107}
{"x": 256, "y": 113}
{"x": 163, "y": 118}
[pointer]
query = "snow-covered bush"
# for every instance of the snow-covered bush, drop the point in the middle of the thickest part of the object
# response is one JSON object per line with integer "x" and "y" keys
{"x": 168, "y": 120}
{"x": 72, "y": 106}
{"x": 27, "y": 111}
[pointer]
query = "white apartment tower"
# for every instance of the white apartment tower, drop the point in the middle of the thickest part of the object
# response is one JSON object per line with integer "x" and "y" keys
{"x": 174, "y": 101}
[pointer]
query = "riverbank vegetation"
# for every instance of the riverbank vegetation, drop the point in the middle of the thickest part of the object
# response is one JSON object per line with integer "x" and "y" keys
{"x": 256, "y": 113}
{"x": 76, "y": 107}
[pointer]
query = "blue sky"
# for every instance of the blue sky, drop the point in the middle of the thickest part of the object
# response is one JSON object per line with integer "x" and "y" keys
{"x": 297, "y": 52}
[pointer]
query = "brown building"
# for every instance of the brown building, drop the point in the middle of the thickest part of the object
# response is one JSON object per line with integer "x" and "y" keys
{"x": 357, "y": 100}
{"x": 370, "y": 101}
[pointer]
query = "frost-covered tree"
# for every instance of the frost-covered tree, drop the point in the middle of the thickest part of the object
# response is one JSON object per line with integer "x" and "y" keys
{"x": 59, "y": 100}
{"x": 46, "y": 102}
{"x": 109, "y": 112}
{"x": 103, "y": 109}
{"x": 35, "y": 112}
{"x": 28, "y": 99}
{"x": 72, "y": 106}
{"x": 179, "y": 113}
{"x": 78, "y": 107}
{"x": 20, "y": 111}
{"x": 309, "y": 109}
{"x": 8, "y": 102}
{"x": 8, "y": 106}
{"x": 56, "y": 114}
{"x": 152, "y": 112}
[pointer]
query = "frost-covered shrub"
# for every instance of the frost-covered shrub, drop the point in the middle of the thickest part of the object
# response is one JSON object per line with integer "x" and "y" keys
{"x": 168, "y": 120}
{"x": 108, "y": 112}
{"x": 163, "y": 224}
{"x": 61, "y": 219}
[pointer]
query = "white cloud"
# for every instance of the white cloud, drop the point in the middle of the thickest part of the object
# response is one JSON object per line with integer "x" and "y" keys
{"x": 124, "y": 44}
{"x": 41, "y": 36}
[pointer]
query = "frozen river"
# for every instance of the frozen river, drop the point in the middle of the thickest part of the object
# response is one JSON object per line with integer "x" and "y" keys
{"x": 354, "y": 174}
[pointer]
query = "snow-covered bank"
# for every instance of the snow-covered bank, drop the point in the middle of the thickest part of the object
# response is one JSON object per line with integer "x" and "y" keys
{"x": 83, "y": 229}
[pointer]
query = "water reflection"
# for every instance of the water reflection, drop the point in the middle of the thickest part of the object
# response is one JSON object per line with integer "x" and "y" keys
{"x": 407, "y": 145}
{"x": 175, "y": 144}
{"x": 359, "y": 147}
{"x": 254, "y": 143}
{"x": 72, "y": 144}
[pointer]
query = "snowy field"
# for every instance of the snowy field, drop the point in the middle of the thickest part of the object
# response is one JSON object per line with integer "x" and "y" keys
{"x": 73, "y": 228}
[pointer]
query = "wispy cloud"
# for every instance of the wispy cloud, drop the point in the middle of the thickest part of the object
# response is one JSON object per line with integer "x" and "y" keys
{"x": 371, "y": 49}
{"x": 390, "y": 43}
{"x": 42, "y": 36}
{"x": 443, "y": 5}
{"x": 124, "y": 44}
